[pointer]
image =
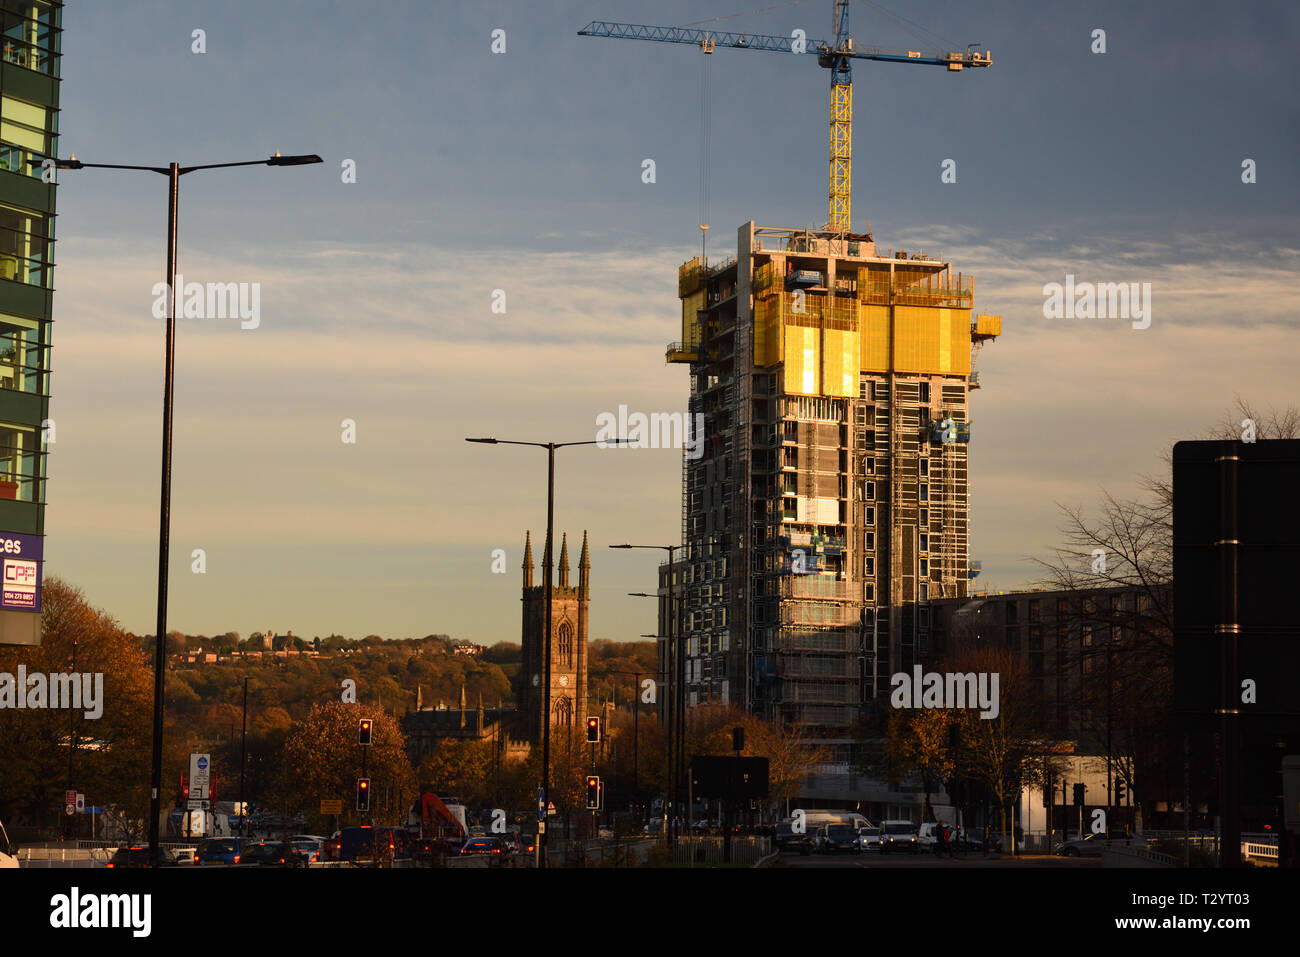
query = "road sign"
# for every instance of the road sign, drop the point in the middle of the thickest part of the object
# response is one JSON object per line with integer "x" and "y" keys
{"x": 185, "y": 790}
{"x": 81, "y": 802}
{"x": 200, "y": 765}
{"x": 69, "y": 797}
{"x": 70, "y": 809}
{"x": 541, "y": 805}
{"x": 550, "y": 809}
{"x": 195, "y": 803}
{"x": 331, "y": 807}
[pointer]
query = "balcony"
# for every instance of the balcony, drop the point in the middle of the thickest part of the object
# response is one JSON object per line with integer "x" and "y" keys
{"x": 677, "y": 352}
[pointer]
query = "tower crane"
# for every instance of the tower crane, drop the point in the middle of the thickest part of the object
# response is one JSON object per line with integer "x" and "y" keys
{"x": 836, "y": 55}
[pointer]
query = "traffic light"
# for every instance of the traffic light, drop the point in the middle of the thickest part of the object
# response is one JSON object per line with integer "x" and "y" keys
{"x": 363, "y": 794}
{"x": 1078, "y": 794}
{"x": 365, "y": 732}
{"x": 594, "y": 789}
{"x": 1120, "y": 788}
{"x": 593, "y": 731}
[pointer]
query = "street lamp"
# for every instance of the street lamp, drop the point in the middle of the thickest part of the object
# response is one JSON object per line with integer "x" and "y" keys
{"x": 676, "y": 667}
{"x": 173, "y": 172}
{"x": 546, "y": 582}
{"x": 243, "y": 760}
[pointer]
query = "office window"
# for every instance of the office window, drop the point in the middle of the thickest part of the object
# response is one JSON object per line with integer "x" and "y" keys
{"x": 924, "y": 492}
{"x": 925, "y": 467}
{"x": 871, "y": 515}
{"x": 925, "y": 392}
{"x": 869, "y": 541}
{"x": 925, "y": 542}
{"x": 22, "y": 463}
{"x": 925, "y": 567}
{"x": 22, "y": 246}
{"x": 925, "y": 518}
{"x": 871, "y": 491}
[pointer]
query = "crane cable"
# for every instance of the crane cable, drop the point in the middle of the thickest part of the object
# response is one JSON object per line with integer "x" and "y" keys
{"x": 743, "y": 13}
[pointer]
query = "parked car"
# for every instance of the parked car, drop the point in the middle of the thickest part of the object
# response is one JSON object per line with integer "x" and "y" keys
{"x": 869, "y": 838}
{"x": 219, "y": 850}
{"x": 272, "y": 854}
{"x": 138, "y": 856}
{"x": 841, "y": 837}
{"x": 898, "y": 836}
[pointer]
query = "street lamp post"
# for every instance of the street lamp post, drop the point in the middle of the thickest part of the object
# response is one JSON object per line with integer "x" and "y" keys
{"x": 546, "y": 582}
{"x": 173, "y": 172}
{"x": 677, "y": 709}
{"x": 243, "y": 760}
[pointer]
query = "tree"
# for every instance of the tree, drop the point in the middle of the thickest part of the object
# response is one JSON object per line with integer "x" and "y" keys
{"x": 1125, "y": 649}
{"x": 994, "y": 751}
{"x": 322, "y": 759}
{"x": 919, "y": 744}
{"x": 111, "y": 762}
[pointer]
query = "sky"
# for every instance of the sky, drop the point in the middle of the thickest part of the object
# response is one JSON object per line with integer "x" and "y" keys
{"x": 521, "y": 171}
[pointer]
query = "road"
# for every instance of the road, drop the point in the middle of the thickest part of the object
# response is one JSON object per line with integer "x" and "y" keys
{"x": 872, "y": 859}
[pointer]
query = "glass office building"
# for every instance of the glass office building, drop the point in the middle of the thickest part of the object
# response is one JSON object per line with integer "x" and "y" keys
{"x": 29, "y": 128}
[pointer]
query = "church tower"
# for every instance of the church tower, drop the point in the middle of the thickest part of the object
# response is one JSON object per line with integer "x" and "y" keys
{"x": 569, "y": 605}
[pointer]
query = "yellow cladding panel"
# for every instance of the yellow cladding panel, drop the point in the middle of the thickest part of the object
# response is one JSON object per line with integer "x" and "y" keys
{"x": 875, "y": 338}
{"x": 927, "y": 339}
{"x": 959, "y": 323}
{"x": 988, "y": 325}
{"x": 691, "y": 306}
{"x": 767, "y": 331}
{"x": 802, "y": 360}
{"x": 842, "y": 359}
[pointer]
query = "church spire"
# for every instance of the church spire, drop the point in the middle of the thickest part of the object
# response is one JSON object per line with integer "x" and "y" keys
{"x": 419, "y": 697}
{"x": 584, "y": 566}
{"x": 462, "y": 705}
{"x": 564, "y": 561}
{"x": 528, "y": 560}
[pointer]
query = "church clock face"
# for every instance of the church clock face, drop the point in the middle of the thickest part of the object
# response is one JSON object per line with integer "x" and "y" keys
{"x": 537, "y": 679}
{"x": 564, "y": 681}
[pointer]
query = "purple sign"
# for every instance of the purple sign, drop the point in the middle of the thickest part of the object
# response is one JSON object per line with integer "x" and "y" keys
{"x": 20, "y": 571}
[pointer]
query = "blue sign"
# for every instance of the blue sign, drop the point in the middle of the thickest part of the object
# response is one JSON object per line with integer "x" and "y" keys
{"x": 203, "y": 763}
{"x": 21, "y": 557}
{"x": 541, "y": 805}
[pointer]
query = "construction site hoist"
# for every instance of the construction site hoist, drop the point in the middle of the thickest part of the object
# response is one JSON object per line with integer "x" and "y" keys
{"x": 836, "y": 56}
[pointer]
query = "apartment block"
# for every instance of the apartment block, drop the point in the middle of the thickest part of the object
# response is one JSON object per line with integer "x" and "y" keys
{"x": 829, "y": 508}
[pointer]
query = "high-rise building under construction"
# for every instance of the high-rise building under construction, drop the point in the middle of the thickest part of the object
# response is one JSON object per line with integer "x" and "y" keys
{"x": 829, "y": 505}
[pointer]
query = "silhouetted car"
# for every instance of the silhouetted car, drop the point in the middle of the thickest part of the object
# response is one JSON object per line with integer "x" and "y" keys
{"x": 367, "y": 844}
{"x": 138, "y": 856}
{"x": 841, "y": 837}
{"x": 484, "y": 846}
{"x": 273, "y": 854}
{"x": 219, "y": 850}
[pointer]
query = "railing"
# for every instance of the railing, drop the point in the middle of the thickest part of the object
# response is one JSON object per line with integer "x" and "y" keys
{"x": 745, "y": 849}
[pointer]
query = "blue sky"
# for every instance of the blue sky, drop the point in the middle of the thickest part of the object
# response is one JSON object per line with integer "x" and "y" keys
{"x": 521, "y": 171}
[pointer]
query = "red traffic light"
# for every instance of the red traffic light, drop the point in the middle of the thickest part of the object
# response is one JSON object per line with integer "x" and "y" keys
{"x": 593, "y": 730}
{"x": 365, "y": 731}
